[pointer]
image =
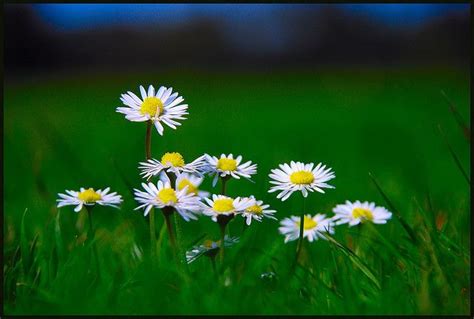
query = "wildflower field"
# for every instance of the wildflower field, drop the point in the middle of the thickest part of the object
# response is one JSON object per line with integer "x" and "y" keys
{"x": 397, "y": 138}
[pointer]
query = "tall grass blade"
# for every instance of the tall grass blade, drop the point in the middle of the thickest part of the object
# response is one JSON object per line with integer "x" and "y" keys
{"x": 459, "y": 119}
{"x": 25, "y": 250}
{"x": 355, "y": 259}
{"x": 454, "y": 156}
{"x": 405, "y": 225}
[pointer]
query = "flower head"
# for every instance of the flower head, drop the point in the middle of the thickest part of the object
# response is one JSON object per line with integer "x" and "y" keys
{"x": 312, "y": 229}
{"x": 226, "y": 165}
{"x": 172, "y": 162}
{"x": 209, "y": 248}
{"x": 163, "y": 195}
{"x": 258, "y": 211}
{"x": 300, "y": 177}
{"x": 89, "y": 197}
{"x": 162, "y": 107}
{"x": 357, "y": 212}
{"x": 221, "y": 205}
{"x": 192, "y": 182}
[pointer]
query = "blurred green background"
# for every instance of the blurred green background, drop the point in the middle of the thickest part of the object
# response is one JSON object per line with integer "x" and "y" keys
{"x": 61, "y": 132}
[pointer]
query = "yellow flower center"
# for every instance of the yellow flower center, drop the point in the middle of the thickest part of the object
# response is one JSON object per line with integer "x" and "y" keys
{"x": 167, "y": 195}
{"x": 227, "y": 164}
{"x": 309, "y": 223}
{"x": 207, "y": 243}
{"x": 223, "y": 205}
{"x": 191, "y": 188}
{"x": 151, "y": 106}
{"x": 174, "y": 159}
{"x": 302, "y": 177}
{"x": 362, "y": 213}
{"x": 89, "y": 196}
{"x": 255, "y": 209}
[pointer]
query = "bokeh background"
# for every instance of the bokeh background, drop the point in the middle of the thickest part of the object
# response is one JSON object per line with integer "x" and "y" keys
{"x": 360, "y": 87}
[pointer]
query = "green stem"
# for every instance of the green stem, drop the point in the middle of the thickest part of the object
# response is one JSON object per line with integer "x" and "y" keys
{"x": 300, "y": 239}
{"x": 221, "y": 246}
{"x": 92, "y": 232}
{"x": 167, "y": 215}
{"x": 213, "y": 261}
{"x": 224, "y": 183}
{"x": 152, "y": 232}
{"x": 148, "y": 140}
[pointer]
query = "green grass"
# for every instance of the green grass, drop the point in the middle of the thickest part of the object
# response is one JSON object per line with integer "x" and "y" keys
{"x": 63, "y": 133}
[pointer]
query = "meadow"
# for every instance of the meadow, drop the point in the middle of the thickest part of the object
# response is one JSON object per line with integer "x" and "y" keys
{"x": 62, "y": 132}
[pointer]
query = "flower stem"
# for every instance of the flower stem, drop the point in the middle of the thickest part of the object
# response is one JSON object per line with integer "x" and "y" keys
{"x": 92, "y": 232}
{"x": 167, "y": 214}
{"x": 213, "y": 261}
{"x": 300, "y": 239}
{"x": 152, "y": 232}
{"x": 152, "y": 212}
{"x": 221, "y": 246}
{"x": 148, "y": 140}
{"x": 224, "y": 183}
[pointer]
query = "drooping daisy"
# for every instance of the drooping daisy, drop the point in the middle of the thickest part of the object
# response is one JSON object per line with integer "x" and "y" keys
{"x": 209, "y": 248}
{"x": 300, "y": 177}
{"x": 357, "y": 212}
{"x": 192, "y": 182}
{"x": 89, "y": 197}
{"x": 163, "y": 195}
{"x": 312, "y": 229}
{"x": 160, "y": 107}
{"x": 226, "y": 165}
{"x": 221, "y": 205}
{"x": 172, "y": 162}
{"x": 257, "y": 212}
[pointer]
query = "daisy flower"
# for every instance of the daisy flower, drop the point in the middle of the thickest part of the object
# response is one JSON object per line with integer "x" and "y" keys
{"x": 89, "y": 197}
{"x": 163, "y": 195}
{"x": 192, "y": 182}
{"x": 221, "y": 205}
{"x": 209, "y": 248}
{"x": 312, "y": 229}
{"x": 357, "y": 212}
{"x": 258, "y": 211}
{"x": 174, "y": 163}
{"x": 300, "y": 177}
{"x": 162, "y": 106}
{"x": 226, "y": 165}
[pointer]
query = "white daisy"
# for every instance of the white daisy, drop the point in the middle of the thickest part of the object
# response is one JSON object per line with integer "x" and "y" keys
{"x": 221, "y": 205}
{"x": 209, "y": 248}
{"x": 193, "y": 182}
{"x": 312, "y": 228}
{"x": 300, "y": 177}
{"x": 257, "y": 212}
{"x": 172, "y": 162}
{"x": 226, "y": 165}
{"x": 89, "y": 197}
{"x": 163, "y": 195}
{"x": 357, "y": 212}
{"x": 160, "y": 107}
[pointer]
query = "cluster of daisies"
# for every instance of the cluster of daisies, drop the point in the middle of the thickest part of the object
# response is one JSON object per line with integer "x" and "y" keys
{"x": 173, "y": 185}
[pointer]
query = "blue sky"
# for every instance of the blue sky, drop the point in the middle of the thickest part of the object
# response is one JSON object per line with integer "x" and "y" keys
{"x": 77, "y": 16}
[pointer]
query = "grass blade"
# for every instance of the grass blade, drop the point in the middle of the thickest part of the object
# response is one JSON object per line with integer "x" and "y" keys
{"x": 454, "y": 156}
{"x": 457, "y": 116}
{"x": 405, "y": 225}
{"x": 355, "y": 259}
